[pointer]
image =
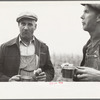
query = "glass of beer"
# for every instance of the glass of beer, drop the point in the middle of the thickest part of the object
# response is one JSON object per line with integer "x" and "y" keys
{"x": 68, "y": 71}
{"x": 26, "y": 78}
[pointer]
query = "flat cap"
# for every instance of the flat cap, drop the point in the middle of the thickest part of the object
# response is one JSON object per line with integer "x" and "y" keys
{"x": 28, "y": 15}
{"x": 94, "y": 6}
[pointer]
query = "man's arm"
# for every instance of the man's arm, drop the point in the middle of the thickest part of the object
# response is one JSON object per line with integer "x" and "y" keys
{"x": 48, "y": 68}
{"x": 2, "y": 76}
{"x": 87, "y": 74}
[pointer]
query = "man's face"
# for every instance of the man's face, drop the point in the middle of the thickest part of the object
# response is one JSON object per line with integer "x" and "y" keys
{"x": 89, "y": 19}
{"x": 27, "y": 27}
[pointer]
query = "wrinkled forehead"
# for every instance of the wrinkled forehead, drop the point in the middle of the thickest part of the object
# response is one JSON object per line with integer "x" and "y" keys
{"x": 87, "y": 7}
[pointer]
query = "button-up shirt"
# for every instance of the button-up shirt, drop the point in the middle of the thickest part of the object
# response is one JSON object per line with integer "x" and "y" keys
{"x": 26, "y": 50}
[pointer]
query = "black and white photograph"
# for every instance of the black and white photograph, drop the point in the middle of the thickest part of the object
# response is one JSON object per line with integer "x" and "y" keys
{"x": 49, "y": 49}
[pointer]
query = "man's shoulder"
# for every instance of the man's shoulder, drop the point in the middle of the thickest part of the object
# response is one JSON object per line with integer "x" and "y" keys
{"x": 10, "y": 42}
{"x": 42, "y": 43}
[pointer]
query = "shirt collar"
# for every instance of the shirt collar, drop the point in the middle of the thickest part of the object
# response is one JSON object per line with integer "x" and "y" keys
{"x": 95, "y": 42}
{"x": 24, "y": 43}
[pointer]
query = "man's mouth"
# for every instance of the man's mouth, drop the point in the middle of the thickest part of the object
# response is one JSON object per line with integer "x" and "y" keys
{"x": 25, "y": 32}
{"x": 83, "y": 23}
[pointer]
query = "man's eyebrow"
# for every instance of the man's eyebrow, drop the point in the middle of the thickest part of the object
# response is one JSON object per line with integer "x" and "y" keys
{"x": 22, "y": 22}
{"x": 30, "y": 23}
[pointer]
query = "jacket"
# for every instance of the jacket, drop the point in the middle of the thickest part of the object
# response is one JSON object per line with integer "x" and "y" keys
{"x": 84, "y": 53}
{"x": 91, "y": 58}
{"x": 10, "y": 59}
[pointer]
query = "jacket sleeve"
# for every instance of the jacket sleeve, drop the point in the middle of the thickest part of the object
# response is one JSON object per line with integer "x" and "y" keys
{"x": 48, "y": 68}
{"x": 83, "y": 60}
{"x": 2, "y": 76}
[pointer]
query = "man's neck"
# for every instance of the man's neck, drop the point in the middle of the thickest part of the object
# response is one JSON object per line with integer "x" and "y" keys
{"x": 95, "y": 35}
{"x": 27, "y": 41}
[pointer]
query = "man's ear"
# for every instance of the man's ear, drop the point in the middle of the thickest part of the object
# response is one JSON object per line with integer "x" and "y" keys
{"x": 35, "y": 26}
{"x": 98, "y": 18}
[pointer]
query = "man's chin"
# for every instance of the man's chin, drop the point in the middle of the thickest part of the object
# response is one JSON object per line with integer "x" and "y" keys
{"x": 26, "y": 38}
{"x": 85, "y": 29}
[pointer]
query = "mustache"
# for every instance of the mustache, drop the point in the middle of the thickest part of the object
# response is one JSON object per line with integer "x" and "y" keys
{"x": 25, "y": 31}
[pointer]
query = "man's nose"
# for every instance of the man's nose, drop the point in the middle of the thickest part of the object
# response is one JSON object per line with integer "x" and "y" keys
{"x": 26, "y": 27}
{"x": 82, "y": 17}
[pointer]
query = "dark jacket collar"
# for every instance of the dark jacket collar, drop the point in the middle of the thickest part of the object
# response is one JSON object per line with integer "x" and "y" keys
{"x": 15, "y": 41}
{"x": 37, "y": 46}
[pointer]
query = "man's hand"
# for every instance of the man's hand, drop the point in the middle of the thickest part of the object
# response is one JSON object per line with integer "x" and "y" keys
{"x": 41, "y": 77}
{"x": 87, "y": 74}
{"x": 15, "y": 78}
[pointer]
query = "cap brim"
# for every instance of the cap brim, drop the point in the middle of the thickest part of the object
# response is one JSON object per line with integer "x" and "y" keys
{"x": 25, "y": 17}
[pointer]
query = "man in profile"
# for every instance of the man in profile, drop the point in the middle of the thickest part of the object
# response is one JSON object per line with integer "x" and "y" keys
{"x": 90, "y": 70}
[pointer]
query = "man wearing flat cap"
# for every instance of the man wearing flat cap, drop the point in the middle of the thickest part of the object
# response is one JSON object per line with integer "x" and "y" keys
{"x": 90, "y": 65}
{"x": 25, "y": 58}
